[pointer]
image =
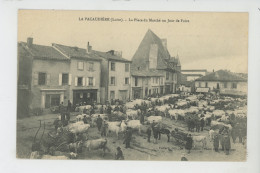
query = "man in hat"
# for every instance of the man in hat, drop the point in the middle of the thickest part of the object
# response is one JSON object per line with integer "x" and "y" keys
{"x": 149, "y": 132}
{"x": 183, "y": 157}
{"x": 189, "y": 142}
{"x": 99, "y": 122}
{"x": 104, "y": 128}
{"x": 128, "y": 137}
{"x": 119, "y": 154}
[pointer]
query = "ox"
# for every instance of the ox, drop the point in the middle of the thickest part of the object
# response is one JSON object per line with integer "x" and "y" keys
{"x": 96, "y": 145}
{"x": 199, "y": 139}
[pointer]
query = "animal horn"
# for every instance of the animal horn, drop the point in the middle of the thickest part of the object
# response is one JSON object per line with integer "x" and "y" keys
{"x": 43, "y": 131}
{"x": 37, "y": 132}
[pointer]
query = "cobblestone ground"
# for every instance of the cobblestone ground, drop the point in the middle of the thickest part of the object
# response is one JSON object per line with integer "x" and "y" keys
{"x": 140, "y": 148}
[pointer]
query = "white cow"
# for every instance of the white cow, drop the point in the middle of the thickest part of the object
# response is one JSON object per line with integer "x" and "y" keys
{"x": 50, "y": 157}
{"x": 96, "y": 145}
{"x": 156, "y": 119}
{"x": 132, "y": 113}
{"x": 83, "y": 128}
{"x": 134, "y": 124}
{"x": 200, "y": 139}
{"x": 116, "y": 127}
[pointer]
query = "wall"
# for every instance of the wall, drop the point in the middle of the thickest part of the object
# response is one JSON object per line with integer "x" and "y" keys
{"x": 120, "y": 76}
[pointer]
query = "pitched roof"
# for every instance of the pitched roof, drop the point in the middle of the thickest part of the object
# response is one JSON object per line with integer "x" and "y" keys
{"x": 141, "y": 56}
{"x": 42, "y": 52}
{"x": 222, "y": 75}
{"x": 76, "y": 52}
{"x": 109, "y": 56}
{"x": 147, "y": 73}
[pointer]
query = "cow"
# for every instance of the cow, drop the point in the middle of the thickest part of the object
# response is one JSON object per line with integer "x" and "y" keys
{"x": 211, "y": 134}
{"x": 116, "y": 127}
{"x": 80, "y": 128}
{"x": 156, "y": 119}
{"x": 96, "y": 144}
{"x": 50, "y": 157}
{"x": 200, "y": 139}
{"x": 80, "y": 117}
{"x": 132, "y": 113}
{"x": 134, "y": 124}
{"x": 75, "y": 146}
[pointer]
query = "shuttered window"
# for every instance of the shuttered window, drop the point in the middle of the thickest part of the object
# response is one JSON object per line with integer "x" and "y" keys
{"x": 80, "y": 81}
{"x": 90, "y": 81}
{"x": 113, "y": 81}
{"x": 113, "y": 66}
{"x": 42, "y": 78}
{"x": 65, "y": 79}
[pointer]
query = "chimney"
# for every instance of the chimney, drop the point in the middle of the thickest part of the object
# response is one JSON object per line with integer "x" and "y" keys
{"x": 89, "y": 48}
{"x": 29, "y": 41}
{"x": 164, "y": 43}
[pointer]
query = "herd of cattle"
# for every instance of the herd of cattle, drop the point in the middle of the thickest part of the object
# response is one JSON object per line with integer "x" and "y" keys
{"x": 217, "y": 111}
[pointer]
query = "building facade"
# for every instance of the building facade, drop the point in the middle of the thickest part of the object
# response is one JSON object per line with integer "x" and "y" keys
{"x": 193, "y": 74}
{"x": 146, "y": 84}
{"x": 222, "y": 81}
{"x": 115, "y": 76}
{"x": 152, "y": 56}
{"x": 54, "y": 74}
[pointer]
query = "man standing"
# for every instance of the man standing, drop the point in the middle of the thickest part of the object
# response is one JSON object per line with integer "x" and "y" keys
{"x": 99, "y": 122}
{"x": 62, "y": 112}
{"x": 216, "y": 142}
{"x": 149, "y": 132}
{"x": 101, "y": 111}
{"x": 104, "y": 128}
{"x": 202, "y": 123}
{"x": 69, "y": 106}
{"x": 119, "y": 154}
{"x": 227, "y": 143}
{"x": 189, "y": 142}
{"x": 128, "y": 137}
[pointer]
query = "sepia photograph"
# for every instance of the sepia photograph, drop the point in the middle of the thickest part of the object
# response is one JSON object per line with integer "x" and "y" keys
{"x": 132, "y": 85}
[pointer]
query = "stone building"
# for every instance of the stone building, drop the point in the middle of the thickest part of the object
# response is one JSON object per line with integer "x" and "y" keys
{"x": 115, "y": 76}
{"x": 222, "y": 81}
{"x": 152, "y": 61}
{"x": 54, "y": 74}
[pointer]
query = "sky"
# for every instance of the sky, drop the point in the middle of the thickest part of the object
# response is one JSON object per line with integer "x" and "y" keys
{"x": 208, "y": 40}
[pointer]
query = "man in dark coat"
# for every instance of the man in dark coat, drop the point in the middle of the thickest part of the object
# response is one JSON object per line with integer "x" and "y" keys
{"x": 85, "y": 120}
{"x": 69, "y": 106}
{"x": 155, "y": 134}
{"x": 189, "y": 142}
{"x": 142, "y": 118}
{"x": 109, "y": 109}
{"x": 99, "y": 122}
{"x": 62, "y": 112}
{"x": 149, "y": 133}
{"x": 216, "y": 142}
{"x": 227, "y": 145}
{"x": 128, "y": 137}
{"x": 101, "y": 111}
{"x": 202, "y": 123}
{"x": 119, "y": 154}
{"x": 104, "y": 128}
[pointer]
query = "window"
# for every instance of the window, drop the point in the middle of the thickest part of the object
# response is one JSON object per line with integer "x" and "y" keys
{"x": 157, "y": 80}
{"x": 225, "y": 84}
{"x": 80, "y": 81}
{"x": 91, "y": 66}
{"x": 65, "y": 78}
{"x": 234, "y": 85}
{"x": 146, "y": 81}
{"x": 90, "y": 81}
{"x": 80, "y": 65}
{"x": 136, "y": 81}
{"x": 162, "y": 81}
{"x": 113, "y": 66}
{"x": 167, "y": 75}
{"x": 206, "y": 85}
{"x": 126, "y": 80}
{"x": 112, "y": 94}
{"x": 113, "y": 81}
{"x": 42, "y": 78}
{"x": 126, "y": 67}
